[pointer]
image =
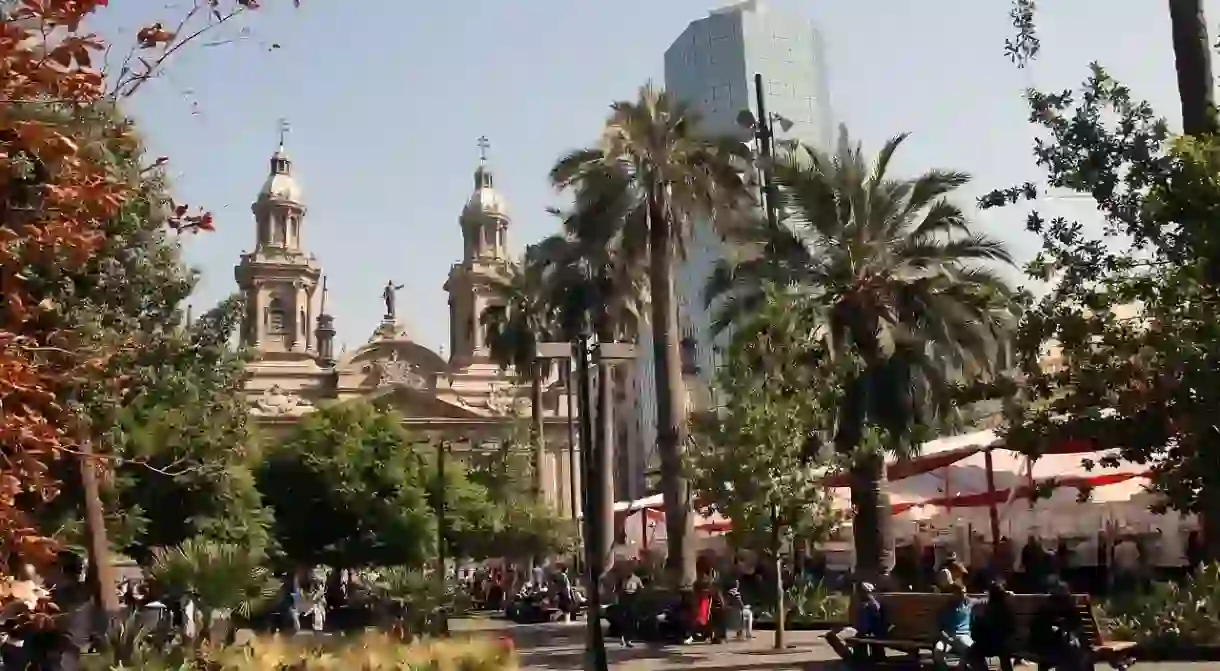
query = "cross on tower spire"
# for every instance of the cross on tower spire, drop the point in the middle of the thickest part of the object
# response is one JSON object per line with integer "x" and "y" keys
{"x": 484, "y": 144}
{"x": 284, "y": 128}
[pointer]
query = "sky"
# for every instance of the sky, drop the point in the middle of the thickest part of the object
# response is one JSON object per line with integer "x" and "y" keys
{"x": 386, "y": 103}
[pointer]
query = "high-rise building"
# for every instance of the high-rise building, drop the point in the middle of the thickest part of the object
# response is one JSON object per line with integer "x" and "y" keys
{"x": 711, "y": 68}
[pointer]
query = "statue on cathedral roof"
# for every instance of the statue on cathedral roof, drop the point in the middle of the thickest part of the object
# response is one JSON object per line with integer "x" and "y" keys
{"x": 387, "y": 294}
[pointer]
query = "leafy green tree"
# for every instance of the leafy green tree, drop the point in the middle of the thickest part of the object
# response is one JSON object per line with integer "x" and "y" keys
{"x": 900, "y": 289}
{"x": 164, "y": 401}
{"x": 349, "y": 489}
{"x": 756, "y": 460}
{"x": 590, "y": 281}
{"x": 1191, "y": 55}
{"x": 1131, "y": 312}
{"x": 653, "y": 164}
{"x": 510, "y": 523}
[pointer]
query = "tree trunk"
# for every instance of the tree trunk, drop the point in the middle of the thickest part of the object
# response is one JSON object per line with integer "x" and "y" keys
{"x": 101, "y": 573}
{"x": 1192, "y": 58}
{"x": 781, "y": 608}
{"x": 671, "y": 425}
{"x": 871, "y": 526}
{"x": 536, "y": 438}
{"x": 605, "y": 463}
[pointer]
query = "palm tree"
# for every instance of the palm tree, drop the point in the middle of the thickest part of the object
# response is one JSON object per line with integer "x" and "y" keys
{"x": 661, "y": 175}
{"x": 592, "y": 282}
{"x": 899, "y": 286}
{"x": 515, "y": 324}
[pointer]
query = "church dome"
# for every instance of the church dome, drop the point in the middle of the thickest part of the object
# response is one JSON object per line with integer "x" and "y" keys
{"x": 485, "y": 200}
{"x": 280, "y": 183}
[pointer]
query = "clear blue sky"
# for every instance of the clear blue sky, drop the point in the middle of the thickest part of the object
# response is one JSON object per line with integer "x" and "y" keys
{"x": 386, "y": 103}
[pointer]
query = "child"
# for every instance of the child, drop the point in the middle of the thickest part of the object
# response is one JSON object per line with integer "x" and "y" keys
{"x": 955, "y": 622}
{"x": 742, "y": 616}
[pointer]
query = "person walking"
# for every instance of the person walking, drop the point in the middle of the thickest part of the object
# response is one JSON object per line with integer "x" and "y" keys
{"x": 740, "y": 614}
{"x": 628, "y": 594}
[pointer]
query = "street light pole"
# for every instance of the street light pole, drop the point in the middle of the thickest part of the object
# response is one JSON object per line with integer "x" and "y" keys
{"x": 763, "y": 133}
{"x": 595, "y": 644}
{"x": 574, "y": 467}
{"x": 442, "y": 449}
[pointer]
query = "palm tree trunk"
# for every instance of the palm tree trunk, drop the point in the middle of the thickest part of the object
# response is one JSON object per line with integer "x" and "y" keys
{"x": 1192, "y": 57}
{"x": 671, "y": 425}
{"x": 536, "y": 429}
{"x": 871, "y": 528}
{"x": 605, "y": 464}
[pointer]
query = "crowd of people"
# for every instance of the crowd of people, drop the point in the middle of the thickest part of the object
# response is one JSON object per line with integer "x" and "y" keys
{"x": 1117, "y": 565}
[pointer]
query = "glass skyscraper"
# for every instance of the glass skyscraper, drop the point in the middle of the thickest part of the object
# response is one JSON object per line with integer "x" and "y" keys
{"x": 711, "y": 68}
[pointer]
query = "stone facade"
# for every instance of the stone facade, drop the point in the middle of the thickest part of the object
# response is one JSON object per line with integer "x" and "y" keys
{"x": 466, "y": 397}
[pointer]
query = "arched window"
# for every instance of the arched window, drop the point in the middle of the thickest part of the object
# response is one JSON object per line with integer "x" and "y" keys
{"x": 276, "y": 317}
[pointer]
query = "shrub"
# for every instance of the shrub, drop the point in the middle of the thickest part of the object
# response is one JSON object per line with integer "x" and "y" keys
{"x": 371, "y": 652}
{"x": 1171, "y": 615}
{"x": 814, "y": 602}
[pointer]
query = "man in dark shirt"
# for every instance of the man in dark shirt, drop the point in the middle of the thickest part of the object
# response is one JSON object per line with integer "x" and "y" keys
{"x": 868, "y": 621}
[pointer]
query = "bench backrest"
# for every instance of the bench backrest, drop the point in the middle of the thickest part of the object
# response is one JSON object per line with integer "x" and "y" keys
{"x": 914, "y": 616}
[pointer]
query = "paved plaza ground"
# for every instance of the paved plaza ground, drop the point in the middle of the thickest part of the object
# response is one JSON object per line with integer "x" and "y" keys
{"x": 560, "y": 647}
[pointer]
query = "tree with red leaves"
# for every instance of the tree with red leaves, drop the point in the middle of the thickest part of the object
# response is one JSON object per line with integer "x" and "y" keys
{"x": 56, "y": 195}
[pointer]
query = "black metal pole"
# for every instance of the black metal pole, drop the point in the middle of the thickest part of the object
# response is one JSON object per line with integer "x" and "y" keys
{"x": 574, "y": 466}
{"x": 442, "y": 448}
{"x": 595, "y": 643}
{"x": 763, "y": 133}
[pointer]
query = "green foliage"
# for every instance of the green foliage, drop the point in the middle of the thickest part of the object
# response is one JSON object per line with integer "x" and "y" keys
{"x": 349, "y": 489}
{"x": 222, "y": 576}
{"x": 651, "y": 176}
{"x": 506, "y": 519}
{"x": 1024, "y": 46}
{"x": 166, "y": 402}
{"x": 758, "y": 459}
{"x": 899, "y": 291}
{"x": 812, "y": 601}
{"x": 1171, "y": 616}
{"x": 518, "y": 320}
{"x": 414, "y": 597}
{"x": 1134, "y": 311}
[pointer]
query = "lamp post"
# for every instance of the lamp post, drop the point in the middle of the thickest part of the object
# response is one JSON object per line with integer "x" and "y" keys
{"x": 588, "y": 352}
{"x": 763, "y": 128}
{"x": 573, "y": 503}
{"x": 442, "y": 450}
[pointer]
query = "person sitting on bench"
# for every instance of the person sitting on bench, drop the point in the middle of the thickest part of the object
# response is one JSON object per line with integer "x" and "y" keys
{"x": 954, "y": 622}
{"x": 869, "y": 622}
{"x": 994, "y": 629}
{"x": 1056, "y": 634}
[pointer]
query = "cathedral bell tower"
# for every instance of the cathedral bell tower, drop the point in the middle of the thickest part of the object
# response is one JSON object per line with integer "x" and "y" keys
{"x": 471, "y": 283}
{"x": 278, "y": 278}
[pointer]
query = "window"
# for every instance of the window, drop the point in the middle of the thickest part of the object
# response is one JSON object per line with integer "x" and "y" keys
{"x": 690, "y": 363}
{"x": 275, "y": 316}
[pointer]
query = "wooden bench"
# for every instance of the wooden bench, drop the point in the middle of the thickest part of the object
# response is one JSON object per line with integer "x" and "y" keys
{"x": 914, "y": 628}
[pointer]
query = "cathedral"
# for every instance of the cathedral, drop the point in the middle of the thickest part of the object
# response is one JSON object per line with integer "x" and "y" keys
{"x": 465, "y": 398}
